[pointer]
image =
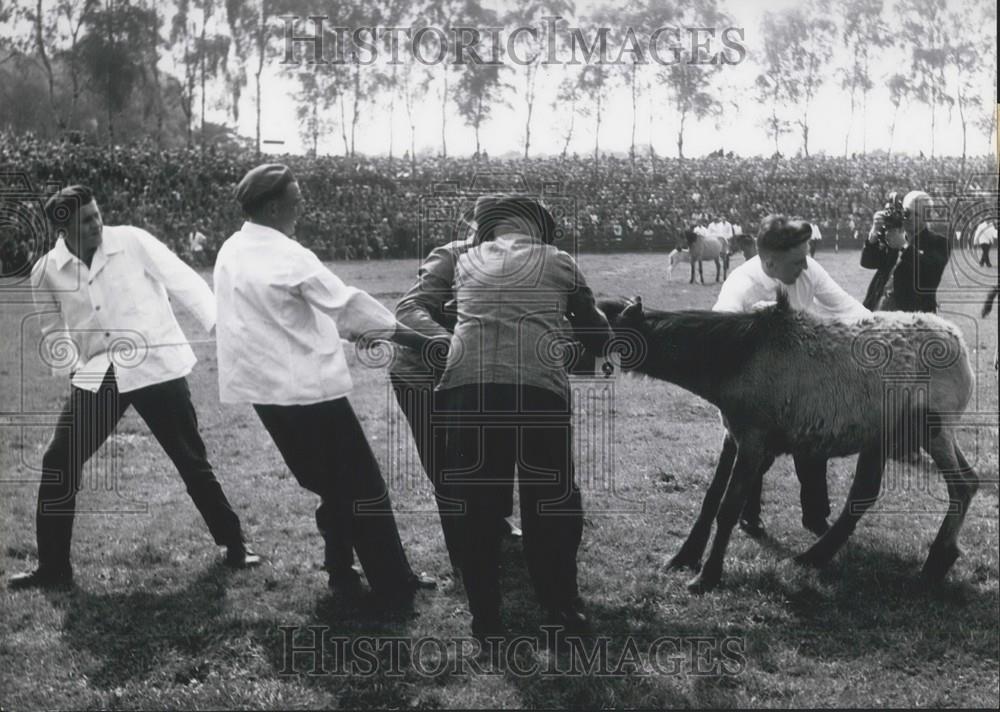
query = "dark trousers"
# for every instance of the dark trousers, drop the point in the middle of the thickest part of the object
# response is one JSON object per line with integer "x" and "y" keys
{"x": 85, "y": 423}
{"x": 419, "y": 401}
{"x": 493, "y": 428}
{"x": 813, "y": 494}
{"x": 325, "y": 447}
{"x": 984, "y": 258}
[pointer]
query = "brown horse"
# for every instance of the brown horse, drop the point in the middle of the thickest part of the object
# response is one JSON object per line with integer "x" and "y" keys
{"x": 701, "y": 248}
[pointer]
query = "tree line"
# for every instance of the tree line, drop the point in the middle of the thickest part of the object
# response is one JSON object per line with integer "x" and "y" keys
{"x": 119, "y": 70}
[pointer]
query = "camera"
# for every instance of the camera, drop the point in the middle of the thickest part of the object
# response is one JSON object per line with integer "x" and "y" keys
{"x": 891, "y": 214}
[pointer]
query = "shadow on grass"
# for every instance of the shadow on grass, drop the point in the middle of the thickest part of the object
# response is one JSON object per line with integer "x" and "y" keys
{"x": 137, "y": 633}
{"x": 870, "y": 601}
{"x": 182, "y": 635}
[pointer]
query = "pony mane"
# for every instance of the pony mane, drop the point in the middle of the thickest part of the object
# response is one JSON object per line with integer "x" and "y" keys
{"x": 720, "y": 342}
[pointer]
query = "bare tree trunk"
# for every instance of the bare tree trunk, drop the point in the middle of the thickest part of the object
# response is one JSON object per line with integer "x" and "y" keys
{"x": 392, "y": 114}
{"x": 892, "y": 130}
{"x": 479, "y": 119}
{"x": 74, "y": 71}
{"x": 357, "y": 105}
{"x": 864, "y": 110}
{"x": 933, "y": 117}
{"x": 680, "y": 135}
{"x": 572, "y": 124}
{"x": 635, "y": 116}
{"x": 44, "y": 56}
{"x": 202, "y": 63}
{"x": 155, "y": 62}
{"x": 850, "y": 120}
{"x": 961, "y": 116}
{"x": 111, "y": 122}
{"x": 530, "y": 99}
{"x": 444, "y": 115}
{"x": 597, "y": 132}
{"x": 261, "y": 37}
{"x": 392, "y": 110}
{"x": 774, "y": 117}
{"x": 649, "y": 93}
{"x": 408, "y": 103}
{"x": 343, "y": 125}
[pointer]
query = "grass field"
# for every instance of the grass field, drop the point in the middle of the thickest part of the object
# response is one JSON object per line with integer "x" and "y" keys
{"x": 155, "y": 621}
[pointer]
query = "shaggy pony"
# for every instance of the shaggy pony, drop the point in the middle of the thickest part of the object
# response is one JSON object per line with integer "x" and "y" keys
{"x": 788, "y": 382}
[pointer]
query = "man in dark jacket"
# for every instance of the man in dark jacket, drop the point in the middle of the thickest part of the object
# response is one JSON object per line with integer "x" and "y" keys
{"x": 909, "y": 261}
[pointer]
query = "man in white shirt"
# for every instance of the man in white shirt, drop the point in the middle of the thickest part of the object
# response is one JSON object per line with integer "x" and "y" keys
{"x": 814, "y": 239}
{"x": 196, "y": 245}
{"x": 281, "y": 318}
{"x": 103, "y": 292}
{"x": 783, "y": 263}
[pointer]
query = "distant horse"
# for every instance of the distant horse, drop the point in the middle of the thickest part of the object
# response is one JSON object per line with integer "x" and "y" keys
{"x": 701, "y": 248}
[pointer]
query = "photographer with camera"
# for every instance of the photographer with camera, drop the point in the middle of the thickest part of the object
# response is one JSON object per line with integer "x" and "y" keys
{"x": 909, "y": 257}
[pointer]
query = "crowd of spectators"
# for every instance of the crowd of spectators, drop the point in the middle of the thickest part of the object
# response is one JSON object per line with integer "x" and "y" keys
{"x": 374, "y": 207}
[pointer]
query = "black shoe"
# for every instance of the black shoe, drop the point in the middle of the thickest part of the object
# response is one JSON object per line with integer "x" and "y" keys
{"x": 423, "y": 582}
{"x": 753, "y": 526}
{"x": 241, "y": 556}
{"x": 572, "y": 620}
{"x": 42, "y": 577}
{"x": 819, "y": 527}
{"x": 346, "y": 585}
{"x": 509, "y": 529}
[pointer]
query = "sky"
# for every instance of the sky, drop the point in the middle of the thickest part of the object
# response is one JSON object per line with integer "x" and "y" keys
{"x": 740, "y": 127}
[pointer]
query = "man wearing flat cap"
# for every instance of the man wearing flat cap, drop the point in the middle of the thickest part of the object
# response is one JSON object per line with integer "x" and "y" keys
{"x": 783, "y": 263}
{"x": 505, "y": 402}
{"x": 103, "y": 292}
{"x": 429, "y": 307}
{"x": 282, "y": 315}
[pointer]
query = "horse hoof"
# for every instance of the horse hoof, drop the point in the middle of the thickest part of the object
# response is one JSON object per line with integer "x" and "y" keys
{"x": 938, "y": 564}
{"x": 683, "y": 562}
{"x": 808, "y": 559}
{"x": 701, "y": 584}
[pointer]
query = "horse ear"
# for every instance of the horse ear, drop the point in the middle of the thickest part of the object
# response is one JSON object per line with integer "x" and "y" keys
{"x": 633, "y": 312}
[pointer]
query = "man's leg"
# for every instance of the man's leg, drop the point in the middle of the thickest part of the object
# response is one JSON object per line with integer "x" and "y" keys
{"x": 168, "y": 411}
{"x": 299, "y": 433}
{"x": 478, "y": 467}
{"x": 551, "y": 505}
{"x": 85, "y": 422}
{"x": 813, "y": 492}
{"x": 416, "y": 398}
{"x": 359, "y": 480}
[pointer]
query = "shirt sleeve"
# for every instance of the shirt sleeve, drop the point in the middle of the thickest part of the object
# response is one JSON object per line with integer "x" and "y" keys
{"x": 590, "y": 326}
{"x": 835, "y": 302}
{"x": 52, "y": 325}
{"x": 355, "y": 312}
{"x": 181, "y": 282}
{"x": 432, "y": 290}
{"x": 734, "y": 295}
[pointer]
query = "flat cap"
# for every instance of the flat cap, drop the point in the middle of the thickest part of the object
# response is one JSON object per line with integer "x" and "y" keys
{"x": 262, "y": 183}
{"x": 492, "y": 209}
{"x": 62, "y": 205}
